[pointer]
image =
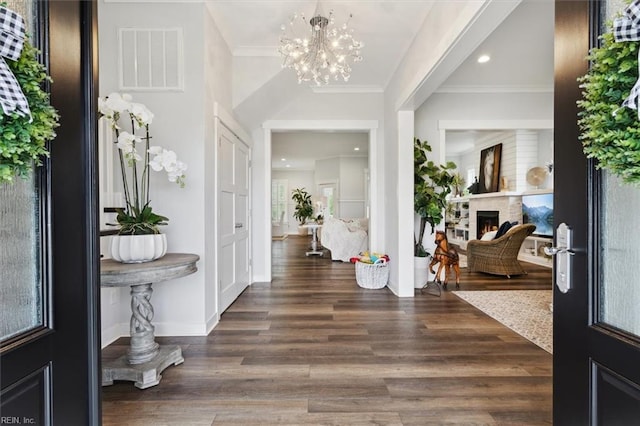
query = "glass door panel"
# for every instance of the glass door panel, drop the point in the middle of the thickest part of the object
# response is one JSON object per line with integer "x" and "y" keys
{"x": 21, "y": 236}
{"x": 619, "y": 294}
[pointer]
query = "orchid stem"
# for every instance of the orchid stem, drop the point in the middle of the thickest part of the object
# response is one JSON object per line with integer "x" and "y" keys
{"x": 136, "y": 199}
{"x": 124, "y": 171}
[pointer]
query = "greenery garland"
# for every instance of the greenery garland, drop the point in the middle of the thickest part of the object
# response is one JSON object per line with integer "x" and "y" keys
{"x": 610, "y": 132}
{"x": 23, "y": 142}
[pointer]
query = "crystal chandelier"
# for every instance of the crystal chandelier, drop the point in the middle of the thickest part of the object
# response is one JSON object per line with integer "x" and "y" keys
{"x": 321, "y": 55}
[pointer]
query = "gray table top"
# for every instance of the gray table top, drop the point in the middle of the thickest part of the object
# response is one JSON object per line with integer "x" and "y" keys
{"x": 168, "y": 267}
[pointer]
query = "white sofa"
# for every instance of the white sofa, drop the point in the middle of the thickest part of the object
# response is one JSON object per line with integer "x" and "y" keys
{"x": 345, "y": 238}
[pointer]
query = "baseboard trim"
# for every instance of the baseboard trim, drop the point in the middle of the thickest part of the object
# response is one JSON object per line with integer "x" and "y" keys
{"x": 212, "y": 322}
{"x": 113, "y": 333}
{"x": 180, "y": 329}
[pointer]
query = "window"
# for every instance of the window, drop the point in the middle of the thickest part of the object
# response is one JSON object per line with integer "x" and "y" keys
{"x": 279, "y": 198}
{"x": 471, "y": 176}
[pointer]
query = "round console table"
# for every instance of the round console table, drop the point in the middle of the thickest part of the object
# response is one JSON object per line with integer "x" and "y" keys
{"x": 145, "y": 359}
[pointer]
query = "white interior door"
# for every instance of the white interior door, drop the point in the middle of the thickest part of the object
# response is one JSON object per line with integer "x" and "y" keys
{"x": 233, "y": 262}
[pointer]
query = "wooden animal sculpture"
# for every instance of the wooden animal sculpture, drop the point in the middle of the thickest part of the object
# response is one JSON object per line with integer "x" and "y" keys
{"x": 447, "y": 257}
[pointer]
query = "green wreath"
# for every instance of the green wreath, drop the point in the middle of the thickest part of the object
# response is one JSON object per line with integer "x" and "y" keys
{"x": 611, "y": 133}
{"x": 23, "y": 143}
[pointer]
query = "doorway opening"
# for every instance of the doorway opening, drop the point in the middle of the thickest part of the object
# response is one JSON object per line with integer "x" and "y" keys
{"x": 341, "y": 204}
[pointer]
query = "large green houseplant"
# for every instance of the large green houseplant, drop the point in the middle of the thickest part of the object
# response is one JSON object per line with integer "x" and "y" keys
{"x": 303, "y": 210}
{"x": 432, "y": 184}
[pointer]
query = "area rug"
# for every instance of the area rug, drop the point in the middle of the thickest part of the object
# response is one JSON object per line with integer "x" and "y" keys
{"x": 527, "y": 312}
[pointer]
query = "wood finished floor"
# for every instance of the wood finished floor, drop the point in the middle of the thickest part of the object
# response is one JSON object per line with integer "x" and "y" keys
{"x": 314, "y": 348}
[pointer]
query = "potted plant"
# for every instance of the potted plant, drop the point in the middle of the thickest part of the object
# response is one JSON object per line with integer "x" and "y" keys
{"x": 303, "y": 210}
{"x": 432, "y": 184}
{"x": 458, "y": 184}
{"x": 137, "y": 158}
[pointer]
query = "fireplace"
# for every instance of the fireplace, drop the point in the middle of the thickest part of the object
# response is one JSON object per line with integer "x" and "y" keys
{"x": 486, "y": 220}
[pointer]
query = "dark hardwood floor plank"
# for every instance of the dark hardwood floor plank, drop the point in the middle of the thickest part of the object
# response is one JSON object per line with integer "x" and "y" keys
{"x": 313, "y": 348}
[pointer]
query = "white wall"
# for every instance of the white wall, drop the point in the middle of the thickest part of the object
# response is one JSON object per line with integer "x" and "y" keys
{"x": 251, "y": 73}
{"x": 182, "y": 307}
{"x": 327, "y": 170}
{"x": 217, "y": 97}
{"x": 352, "y": 187}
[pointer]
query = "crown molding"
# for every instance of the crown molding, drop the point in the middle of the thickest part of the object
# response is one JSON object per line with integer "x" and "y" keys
{"x": 496, "y": 89}
{"x": 347, "y": 89}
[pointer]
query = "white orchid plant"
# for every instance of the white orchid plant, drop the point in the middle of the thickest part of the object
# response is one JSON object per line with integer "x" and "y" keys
{"x": 136, "y": 157}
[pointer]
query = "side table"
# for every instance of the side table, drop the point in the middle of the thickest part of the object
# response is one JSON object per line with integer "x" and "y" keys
{"x": 314, "y": 239}
{"x": 145, "y": 359}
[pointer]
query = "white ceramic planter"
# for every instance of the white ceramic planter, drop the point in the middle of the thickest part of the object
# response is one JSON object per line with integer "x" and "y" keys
{"x": 420, "y": 271}
{"x": 138, "y": 248}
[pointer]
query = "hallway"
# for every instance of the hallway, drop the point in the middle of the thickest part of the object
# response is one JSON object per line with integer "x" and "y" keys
{"x": 314, "y": 348}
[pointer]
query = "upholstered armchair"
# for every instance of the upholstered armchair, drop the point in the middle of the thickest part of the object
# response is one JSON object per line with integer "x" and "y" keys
{"x": 499, "y": 256}
{"x": 345, "y": 238}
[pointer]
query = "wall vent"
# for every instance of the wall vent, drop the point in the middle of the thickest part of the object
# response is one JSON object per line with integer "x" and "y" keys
{"x": 150, "y": 59}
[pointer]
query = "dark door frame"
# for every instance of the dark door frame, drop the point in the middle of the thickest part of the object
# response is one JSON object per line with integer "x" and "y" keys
{"x": 571, "y": 41}
{"x": 73, "y": 57}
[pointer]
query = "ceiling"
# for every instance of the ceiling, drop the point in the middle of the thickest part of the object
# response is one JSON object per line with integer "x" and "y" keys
{"x": 299, "y": 150}
{"x": 521, "y": 48}
{"x": 387, "y": 28}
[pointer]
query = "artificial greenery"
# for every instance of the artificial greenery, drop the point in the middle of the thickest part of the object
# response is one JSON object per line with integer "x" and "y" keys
{"x": 610, "y": 132}
{"x": 432, "y": 183}
{"x": 303, "y": 210}
{"x": 140, "y": 222}
{"x": 23, "y": 139}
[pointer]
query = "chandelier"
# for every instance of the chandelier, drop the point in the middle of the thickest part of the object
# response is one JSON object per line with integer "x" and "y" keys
{"x": 322, "y": 54}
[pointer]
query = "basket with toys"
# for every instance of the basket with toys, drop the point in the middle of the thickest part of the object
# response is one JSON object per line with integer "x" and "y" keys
{"x": 372, "y": 271}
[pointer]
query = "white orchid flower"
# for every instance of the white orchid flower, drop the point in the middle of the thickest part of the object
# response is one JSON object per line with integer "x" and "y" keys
{"x": 118, "y": 103}
{"x": 105, "y": 110}
{"x": 155, "y": 150}
{"x": 168, "y": 160}
{"x": 177, "y": 173}
{"x": 156, "y": 161}
{"x": 127, "y": 144}
{"x": 141, "y": 114}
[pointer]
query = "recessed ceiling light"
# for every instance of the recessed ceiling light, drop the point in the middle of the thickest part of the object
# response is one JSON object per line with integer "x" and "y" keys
{"x": 288, "y": 165}
{"x": 356, "y": 148}
{"x": 483, "y": 59}
{"x": 283, "y": 159}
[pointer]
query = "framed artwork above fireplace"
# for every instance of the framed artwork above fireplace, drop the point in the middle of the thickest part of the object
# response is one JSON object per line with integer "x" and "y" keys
{"x": 490, "y": 168}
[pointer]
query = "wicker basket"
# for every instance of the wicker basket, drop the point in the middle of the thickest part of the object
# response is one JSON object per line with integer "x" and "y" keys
{"x": 372, "y": 276}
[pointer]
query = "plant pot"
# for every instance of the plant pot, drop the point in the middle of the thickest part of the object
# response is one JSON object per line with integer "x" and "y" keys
{"x": 302, "y": 230}
{"x": 420, "y": 271}
{"x": 138, "y": 248}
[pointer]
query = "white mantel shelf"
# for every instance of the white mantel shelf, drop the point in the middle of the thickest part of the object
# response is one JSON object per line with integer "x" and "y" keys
{"x": 499, "y": 194}
{"x": 495, "y": 195}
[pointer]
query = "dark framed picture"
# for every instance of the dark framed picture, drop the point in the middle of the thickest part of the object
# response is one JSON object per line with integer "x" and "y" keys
{"x": 490, "y": 168}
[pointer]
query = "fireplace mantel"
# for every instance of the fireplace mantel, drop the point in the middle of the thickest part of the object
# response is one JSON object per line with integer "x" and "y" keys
{"x": 495, "y": 195}
{"x": 508, "y": 205}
